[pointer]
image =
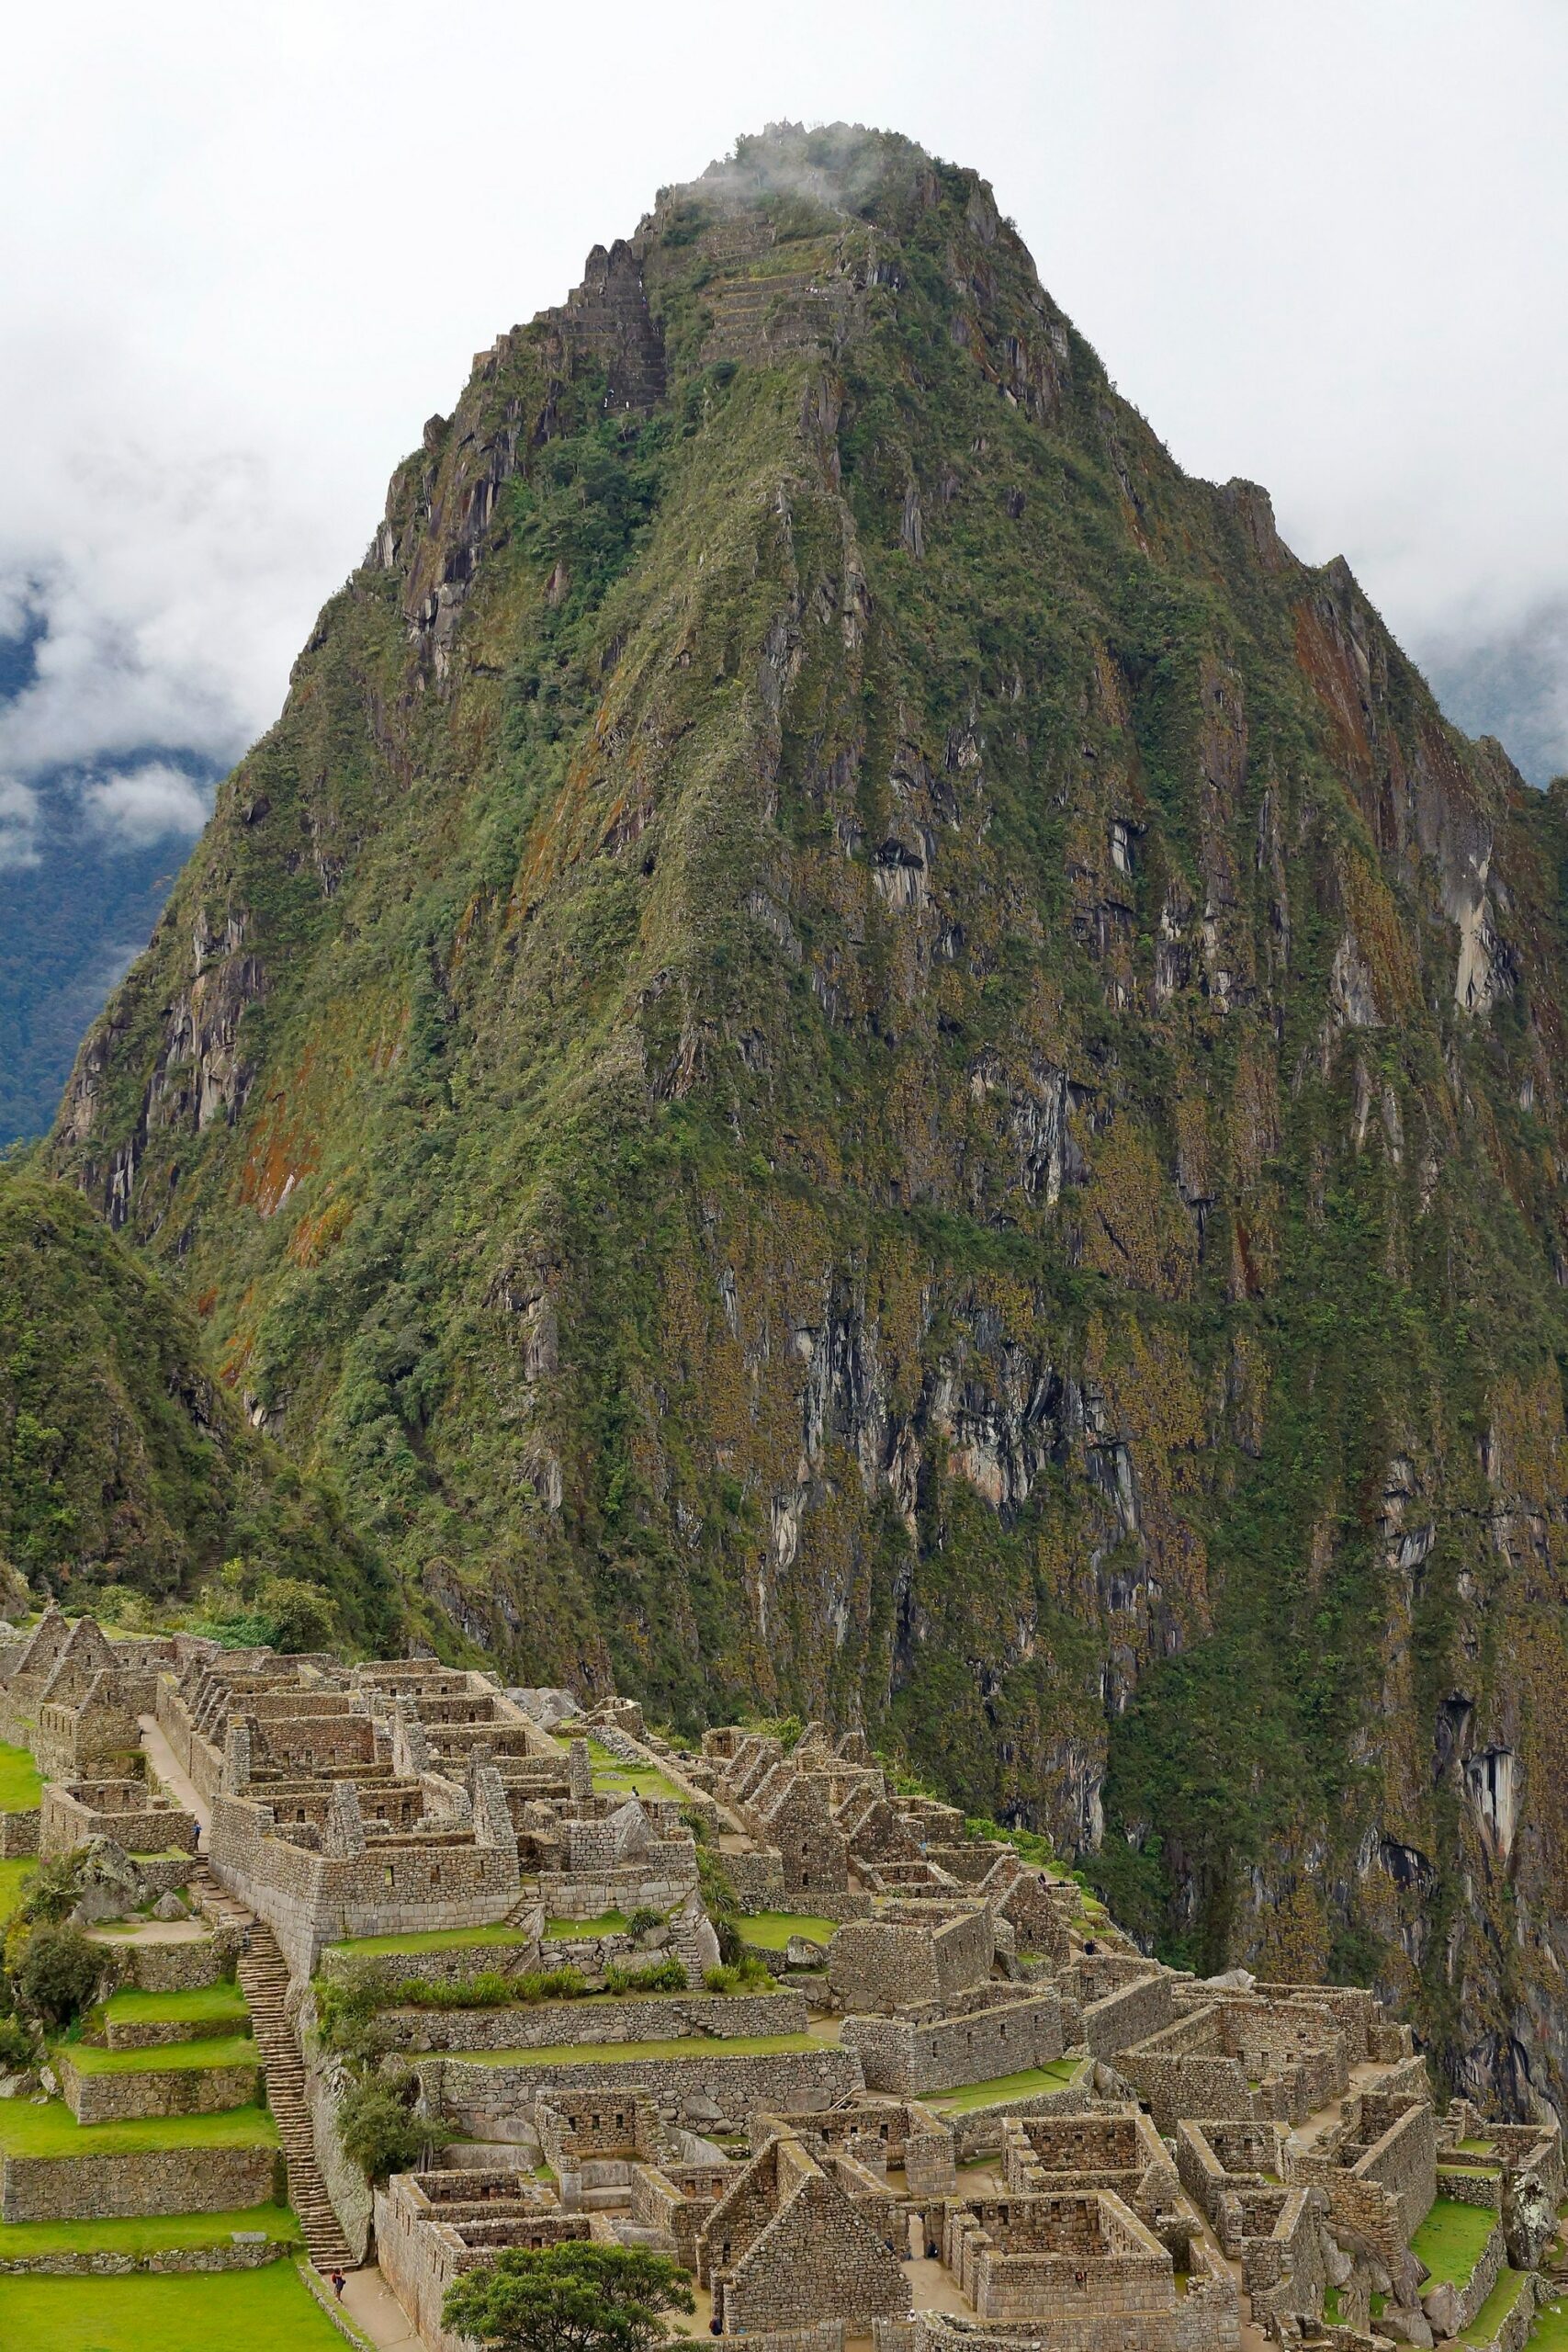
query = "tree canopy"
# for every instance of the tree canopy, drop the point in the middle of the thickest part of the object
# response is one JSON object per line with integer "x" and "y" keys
{"x": 577, "y": 2297}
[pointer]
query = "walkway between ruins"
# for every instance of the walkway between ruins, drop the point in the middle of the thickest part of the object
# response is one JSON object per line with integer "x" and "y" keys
{"x": 377, "y": 2313}
{"x": 181, "y": 1787}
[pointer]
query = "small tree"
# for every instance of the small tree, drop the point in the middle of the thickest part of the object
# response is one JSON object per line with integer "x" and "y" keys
{"x": 303, "y": 1615}
{"x": 58, "y": 1973}
{"x": 577, "y": 2297}
{"x": 380, "y": 2131}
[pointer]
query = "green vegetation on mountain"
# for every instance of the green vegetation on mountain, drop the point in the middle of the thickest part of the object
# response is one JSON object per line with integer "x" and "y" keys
{"x": 122, "y": 1460}
{"x": 854, "y": 1051}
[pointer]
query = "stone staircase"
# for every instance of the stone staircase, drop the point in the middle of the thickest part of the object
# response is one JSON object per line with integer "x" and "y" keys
{"x": 263, "y": 1975}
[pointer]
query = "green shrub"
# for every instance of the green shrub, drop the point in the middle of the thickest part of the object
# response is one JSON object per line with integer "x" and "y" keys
{"x": 662, "y": 1976}
{"x": 747, "y": 1975}
{"x": 57, "y": 1975}
{"x": 642, "y": 1919}
{"x": 380, "y": 2132}
{"x": 346, "y": 2008}
{"x": 17, "y": 2044}
{"x": 1031, "y": 1844}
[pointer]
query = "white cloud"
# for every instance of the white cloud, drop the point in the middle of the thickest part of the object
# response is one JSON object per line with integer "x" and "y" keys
{"x": 145, "y": 805}
{"x": 1318, "y": 243}
{"x": 19, "y": 818}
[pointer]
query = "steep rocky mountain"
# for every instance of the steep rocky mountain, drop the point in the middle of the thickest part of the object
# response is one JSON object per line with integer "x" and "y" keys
{"x": 852, "y": 1047}
{"x": 122, "y": 1461}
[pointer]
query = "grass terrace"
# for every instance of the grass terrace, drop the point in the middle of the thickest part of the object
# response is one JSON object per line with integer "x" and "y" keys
{"x": 13, "y": 1876}
{"x": 1482, "y": 2328}
{"x": 264, "y": 2310}
{"x": 771, "y": 1931}
{"x": 429, "y": 1940}
{"x": 1029, "y": 2084}
{"x": 53, "y": 2131}
{"x": 608, "y": 1923}
{"x": 21, "y": 1784}
{"x": 212, "y": 2050}
{"x": 615, "y": 2053}
{"x": 208, "y": 2005}
{"x": 1550, "y": 2332}
{"x": 1451, "y": 2239}
{"x": 143, "y": 2232}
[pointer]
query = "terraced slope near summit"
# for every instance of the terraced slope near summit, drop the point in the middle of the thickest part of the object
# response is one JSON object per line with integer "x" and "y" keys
{"x": 852, "y": 1047}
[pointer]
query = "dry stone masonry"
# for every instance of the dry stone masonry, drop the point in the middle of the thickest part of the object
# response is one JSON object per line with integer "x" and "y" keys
{"x": 967, "y": 2111}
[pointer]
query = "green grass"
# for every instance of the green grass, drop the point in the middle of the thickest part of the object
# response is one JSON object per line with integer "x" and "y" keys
{"x": 142, "y": 2233}
{"x": 1483, "y": 2328}
{"x": 1474, "y": 2148}
{"x": 223, "y": 1999}
{"x": 431, "y": 1939}
{"x": 1004, "y": 2086}
{"x": 612, "y": 1778}
{"x": 21, "y": 1784}
{"x": 771, "y": 1931}
{"x": 1550, "y": 2332}
{"x": 1451, "y": 2238}
{"x": 53, "y": 2131}
{"x": 213, "y": 2050}
{"x": 11, "y": 1877}
{"x": 694, "y": 2045}
{"x": 264, "y": 2310}
{"x": 608, "y": 1923}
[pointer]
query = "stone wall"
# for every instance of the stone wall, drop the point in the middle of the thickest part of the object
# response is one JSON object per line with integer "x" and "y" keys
{"x": 153, "y": 2090}
{"x": 543, "y": 2024}
{"x": 72, "y": 1812}
{"x": 1128, "y": 2013}
{"x": 731, "y": 2082}
{"x": 912, "y": 2057}
{"x": 1403, "y": 2161}
{"x": 19, "y": 1834}
{"x": 156, "y": 2181}
{"x": 392, "y": 1887}
{"x": 225, "y": 2255}
{"x": 184, "y": 1967}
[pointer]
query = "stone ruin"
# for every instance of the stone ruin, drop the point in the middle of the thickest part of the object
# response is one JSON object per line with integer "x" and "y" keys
{"x": 964, "y": 2108}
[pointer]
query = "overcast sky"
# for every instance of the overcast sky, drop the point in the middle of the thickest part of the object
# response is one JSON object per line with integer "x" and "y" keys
{"x": 246, "y": 250}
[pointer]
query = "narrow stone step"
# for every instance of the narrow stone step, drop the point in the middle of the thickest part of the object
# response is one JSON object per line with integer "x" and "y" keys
{"x": 264, "y": 1979}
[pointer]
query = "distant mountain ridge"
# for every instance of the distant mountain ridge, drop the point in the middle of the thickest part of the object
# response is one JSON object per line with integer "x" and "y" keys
{"x": 851, "y": 1046}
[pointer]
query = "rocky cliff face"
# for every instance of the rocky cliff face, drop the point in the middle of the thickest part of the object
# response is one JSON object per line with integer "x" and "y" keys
{"x": 853, "y": 1045}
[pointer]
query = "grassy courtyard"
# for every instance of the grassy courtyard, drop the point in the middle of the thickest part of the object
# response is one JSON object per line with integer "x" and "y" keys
{"x": 771, "y": 1931}
{"x": 1028, "y": 2085}
{"x": 1451, "y": 2239}
{"x": 12, "y": 1877}
{"x": 1550, "y": 2332}
{"x": 612, "y": 1777}
{"x": 608, "y": 1923}
{"x": 432, "y": 1940}
{"x": 261, "y": 2311}
{"x": 21, "y": 1784}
